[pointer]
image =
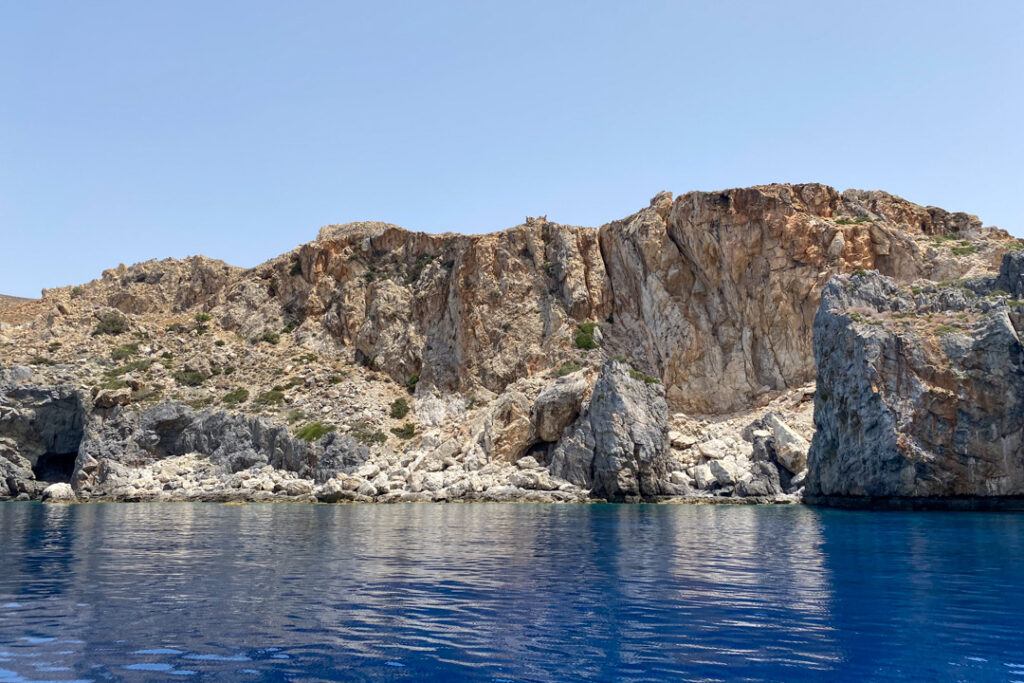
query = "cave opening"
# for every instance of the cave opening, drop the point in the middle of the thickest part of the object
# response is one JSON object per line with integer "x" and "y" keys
{"x": 55, "y": 467}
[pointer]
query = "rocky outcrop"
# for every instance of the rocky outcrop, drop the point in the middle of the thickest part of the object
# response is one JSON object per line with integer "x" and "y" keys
{"x": 618, "y": 446}
{"x": 715, "y": 293}
{"x": 920, "y": 391}
{"x": 466, "y": 367}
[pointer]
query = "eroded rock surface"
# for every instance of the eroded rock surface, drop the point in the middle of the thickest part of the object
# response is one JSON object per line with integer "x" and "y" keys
{"x": 920, "y": 391}
{"x": 667, "y": 354}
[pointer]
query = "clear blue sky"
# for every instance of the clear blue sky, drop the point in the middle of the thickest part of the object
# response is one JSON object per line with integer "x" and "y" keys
{"x": 141, "y": 129}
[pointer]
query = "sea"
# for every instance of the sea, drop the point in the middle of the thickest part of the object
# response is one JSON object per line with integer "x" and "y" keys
{"x": 507, "y": 593}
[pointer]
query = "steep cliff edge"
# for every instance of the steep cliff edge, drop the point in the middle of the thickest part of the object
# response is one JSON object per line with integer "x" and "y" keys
{"x": 920, "y": 392}
{"x": 467, "y": 366}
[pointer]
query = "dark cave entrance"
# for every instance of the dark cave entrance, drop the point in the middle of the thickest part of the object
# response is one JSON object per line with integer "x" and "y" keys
{"x": 55, "y": 467}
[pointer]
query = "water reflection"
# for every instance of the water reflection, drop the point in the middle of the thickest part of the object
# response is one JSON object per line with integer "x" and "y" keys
{"x": 503, "y": 592}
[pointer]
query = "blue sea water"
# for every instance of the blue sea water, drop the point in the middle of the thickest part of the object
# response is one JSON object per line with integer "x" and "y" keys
{"x": 133, "y": 592}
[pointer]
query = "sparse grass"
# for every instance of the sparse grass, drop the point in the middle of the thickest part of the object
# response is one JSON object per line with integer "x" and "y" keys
{"x": 295, "y": 416}
{"x": 853, "y": 221}
{"x": 646, "y": 379}
{"x": 405, "y": 432}
{"x": 365, "y": 433}
{"x": 335, "y": 379}
{"x": 236, "y": 397}
{"x": 112, "y": 324}
{"x": 123, "y": 352}
{"x": 273, "y": 397}
{"x": 134, "y": 366}
{"x": 943, "y": 330}
{"x": 189, "y": 378}
{"x": 41, "y": 360}
{"x": 584, "y": 338}
{"x": 568, "y": 369}
{"x": 965, "y": 250}
{"x": 113, "y": 384}
{"x": 399, "y": 408}
{"x": 314, "y": 431}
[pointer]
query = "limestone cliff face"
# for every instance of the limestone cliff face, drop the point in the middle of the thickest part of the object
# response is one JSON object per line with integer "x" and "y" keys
{"x": 920, "y": 392}
{"x": 714, "y": 293}
{"x": 717, "y": 292}
{"x": 665, "y": 354}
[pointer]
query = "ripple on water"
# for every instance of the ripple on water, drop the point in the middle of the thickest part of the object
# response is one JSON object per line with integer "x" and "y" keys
{"x": 492, "y": 592}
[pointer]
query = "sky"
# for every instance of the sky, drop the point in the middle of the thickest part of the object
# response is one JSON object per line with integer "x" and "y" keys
{"x": 137, "y": 130}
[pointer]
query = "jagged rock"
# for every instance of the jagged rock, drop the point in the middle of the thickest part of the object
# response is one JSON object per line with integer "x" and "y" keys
{"x": 617, "y": 447}
{"x": 556, "y": 407}
{"x": 920, "y": 394}
{"x": 108, "y": 398}
{"x": 790, "y": 448}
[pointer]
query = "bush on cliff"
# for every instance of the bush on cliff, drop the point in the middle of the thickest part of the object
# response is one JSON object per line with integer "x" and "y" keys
{"x": 111, "y": 323}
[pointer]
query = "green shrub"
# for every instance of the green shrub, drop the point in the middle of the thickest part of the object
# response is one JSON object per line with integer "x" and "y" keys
{"x": 368, "y": 362}
{"x": 295, "y": 415}
{"x": 176, "y": 328}
{"x": 584, "y": 338}
{"x": 111, "y": 323}
{"x": 568, "y": 369}
{"x": 219, "y": 342}
{"x": 364, "y": 432}
{"x": 54, "y": 346}
{"x": 41, "y": 360}
{"x": 399, "y": 408}
{"x": 860, "y": 272}
{"x": 126, "y": 351}
{"x": 406, "y": 431}
{"x": 413, "y": 381}
{"x": 296, "y": 269}
{"x": 270, "y": 398}
{"x": 965, "y": 250}
{"x": 235, "y": 397}
{"x": 77, "y": 292}
{"x": 203, "y": 317}
{"x": 646, "y": 379}
{"x": 289, "y": 328}
{"x": 417, "y": 269}
{"x": 269, "y": 337}
{"x": 114, "y": 384}
{"x": 314, "y": 431}
{"x": 189, "y": 378}
{"x": 334, "y": 379}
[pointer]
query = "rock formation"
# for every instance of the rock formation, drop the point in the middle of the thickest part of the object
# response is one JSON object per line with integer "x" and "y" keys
{"x": 667, "y": 354}
{"x": 920, "y": 391}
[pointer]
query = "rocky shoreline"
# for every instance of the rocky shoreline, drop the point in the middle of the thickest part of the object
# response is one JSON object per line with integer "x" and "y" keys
{"x": 780, "y": 343}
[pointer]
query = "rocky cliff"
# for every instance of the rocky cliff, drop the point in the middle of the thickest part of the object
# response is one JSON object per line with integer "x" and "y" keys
{"x": 920, "y": 391}
{"x": 665, "y": 354}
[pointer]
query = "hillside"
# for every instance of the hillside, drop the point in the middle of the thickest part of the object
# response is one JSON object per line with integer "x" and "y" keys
{"x": 694, "y": 317}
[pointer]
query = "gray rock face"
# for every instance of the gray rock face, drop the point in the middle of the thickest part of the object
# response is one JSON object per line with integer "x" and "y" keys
{"x": 618, "y": 446}
{"x": 129, "y": 437}
{"x": 556, "y": 407}
{"x": 920, "y": 393}
{"x": 40, "y": 431}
